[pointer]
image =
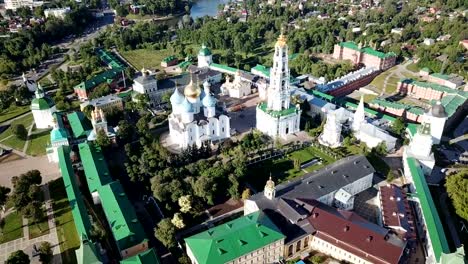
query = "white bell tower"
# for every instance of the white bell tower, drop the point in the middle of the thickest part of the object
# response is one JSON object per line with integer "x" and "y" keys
{"x": 278, "y": 91}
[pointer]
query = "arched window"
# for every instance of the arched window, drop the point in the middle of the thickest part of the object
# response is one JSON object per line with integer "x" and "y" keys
{"x": 290, "y": 250}
{"x": 306, "y": 242}
{"x": 298, "y": 246}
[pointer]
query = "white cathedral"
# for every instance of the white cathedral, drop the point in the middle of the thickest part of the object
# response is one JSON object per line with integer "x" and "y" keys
{"x": 277, "y": 117}
{"x": 194, "y": 118}
{"x": 331, "y": 134}
{"x": 42, "y": 108}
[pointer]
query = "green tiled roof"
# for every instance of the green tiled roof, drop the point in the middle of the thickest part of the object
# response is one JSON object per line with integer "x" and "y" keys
{"x": 42, "y": 103}
{"x": 184, "y": 64}
{"x": 323, "y": 95}
{"x": 388, "y": 104}
{"x": 412, "y": 128}
{"x": 107, "y": 76}
{"x": 223, "y": 67}
{"x": 440, "y": 76}
{"x": 94, "y": 165}
{"x": 233, "y": 239}
{"x": 87, "y": 253}
{"x": 58, "y": 134}
{"x": 425, "y": 69}
{"x": 147, "y": 257}
{"x": 367, "y": 50}
{"x": 204, "y": 51}
{"x": 121, "y": 216}
{"x": 169, "y": 58}
{"x": 388, "y": 118}
{"x": 415, "y": 110}
{"x": 429, "y": 211}
{"x": 429, "y": 85}
{"x": 285, "y": 112}
{"x": 263, "y": 69}
{"x": 367, "y": 110}
{"x": 79, "y": 124}
{"x": 79, "y": 211}
{"x": 452, "y": 102}
{"x": 110, "y": 60}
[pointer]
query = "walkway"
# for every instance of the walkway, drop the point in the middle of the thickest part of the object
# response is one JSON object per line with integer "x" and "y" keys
{"x": 27, "y": 244}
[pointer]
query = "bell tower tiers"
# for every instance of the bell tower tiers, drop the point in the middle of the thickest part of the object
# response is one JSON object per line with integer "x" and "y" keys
{"x": 270, "y": 189}
{"x": 278, "y": 91}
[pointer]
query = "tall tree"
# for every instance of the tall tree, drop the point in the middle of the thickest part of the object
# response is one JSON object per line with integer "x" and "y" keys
{"x": 457, "y": 189}
{"x": 165, "y": 232}
{"x": 45, "y": 252}
{"x": 18, "y": 257}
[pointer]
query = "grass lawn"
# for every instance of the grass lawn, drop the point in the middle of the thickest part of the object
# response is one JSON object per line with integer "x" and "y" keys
{"x": 13, "y": 228}
{"x": 13, "y": 111}
{"x": 38, "y": 229}
{"x": 66, "y": 230}
{"x": 38, "y": 142}
{"x": 138, "y": 16}
{"x": 146, "y": 58}
{"x": 413, "y": 67}
{"x": 13, "y": 141}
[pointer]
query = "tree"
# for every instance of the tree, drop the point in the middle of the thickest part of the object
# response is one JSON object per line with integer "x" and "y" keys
{"x": 33, "y": 211}
{"x": 205, "y": 187}
{"x": 380, "y": 149}
{"x": 4, "y": 191}
{"x": 246, "y": 194}
{"x": 20, "y": 131}
{"x": 316, "y": 259}
{"x": 178, "y": 220}
{"x": 87, "y": 110}
{"x": 234, "y": 187}
{"x": 18, "y": 257}
{"x": 125, "y": 131}
{"x": 165, "y": 232}
{"x": 102, "y": 139}
{"x": 185, "y": 203}
{"x": 398, "y": 126}
{"x": 25, "y": 189}
{"x": 457, "y": 189}
{"x": 297, "y": 164}
{"x": 45, "y": 252}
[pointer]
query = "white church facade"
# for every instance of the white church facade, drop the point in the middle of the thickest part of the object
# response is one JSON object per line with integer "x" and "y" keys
{"x": 42, "y": 108}
{"x": 277, "y": 117}
{"x": 195, "y": 118}
{"x": 331, "y": 135}
{"x": 238, "y": 88}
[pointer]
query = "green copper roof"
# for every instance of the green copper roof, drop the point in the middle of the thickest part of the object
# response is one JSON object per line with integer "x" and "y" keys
{"x": 285, "y": 112}
{"x": 425, "y": 69}
{"x": 107, "y": 76}
{"x": 204, "y": 51}
{"x": 412, "y": 128}
{"x": 440, "y": 76}
{"x": 110, "y": 60}
{"x": 169, "y": 58}
{"x": 388, "y": 104}
{"x": 223, "y": 67}
{"x": 434, "y": 86}
{"x": 263, "y": 69}
{"x": 94, "y": 165}
{"x": 79, "y": 124}
{"x": 87, "y": 253}
{"x": 121, "y": 216}
{"x": 184, "y": 64}
{"x": 322, "y": 95}
{"x": 367, "y": 50}
{"x": 58, "y": 134}
{"x": 415, "y": 110}
{"x": 452, "y": 102}
{"x": 366, "y": 109}
{"x": 147, "y": 257}
{"x": 42, "y": 103}
{"x": 429, "y": 211}
{"x": 79, "y": 211}
{"x": 233, "y": 239}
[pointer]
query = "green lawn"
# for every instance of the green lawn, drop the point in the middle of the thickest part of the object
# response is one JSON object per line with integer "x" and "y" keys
{"x": 13, "y": 228}
{"x": 413, "y": 67}
{"x": 13, "y": 141}
{"x": 138, "y": 16}
{"x": 38, "y": 142}
{"x": 146, "y": 58}
{"x": 13, "y": 111}
{"x": 38, "y": 229}
{"x": 66, "y": 230}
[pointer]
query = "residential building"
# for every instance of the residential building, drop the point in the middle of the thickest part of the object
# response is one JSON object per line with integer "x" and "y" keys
{"x": 238, "y": 88}
{"x": 350, "y": 82}
{"x": 169, "y": 61}
{"x": 105, "y": 103}
{"x": 368, "y": 56}
{"x": 423, "y": 90}
{"x": 14, "y": 4}
{"x": 43, "y": 108}
{"x": 252, "y": 238}
{"x": 195, "y": 117}
{"x": 147, "y": 84}
{"x": 451, "y": 81}
{"x": 111, "y": 77}
{"x": 57, "y": 12}
{"x": 277, "y": 117}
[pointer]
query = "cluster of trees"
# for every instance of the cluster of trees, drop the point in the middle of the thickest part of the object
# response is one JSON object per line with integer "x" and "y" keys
{"x": 45, "y": 255}
{"x": 26, "y": 195}
{"x": 457, "y": 189}
{"x": 154, "y": 7}
{"x": 305, "y": 63}
{"x": 28, "y": 48}
{"x": 13, "y": 94}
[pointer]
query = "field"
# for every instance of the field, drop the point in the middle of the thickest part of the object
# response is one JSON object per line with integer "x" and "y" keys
{"x": 39, "y": 229}
{"x": 146, "y": 58}
{"x": 413, "y": 67}
{"x": 38, "y": 143}
{"x": 13, "y": 228}
{"x": 66, "y": 231}
{"x": 7, "y": 137}
{"x": 12, "y": 112}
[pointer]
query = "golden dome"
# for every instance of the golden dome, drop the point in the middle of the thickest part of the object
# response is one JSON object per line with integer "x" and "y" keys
{"x": 281, "y": 39}
{"x": 191, "y": 90}
{"x": 270, "y": 183}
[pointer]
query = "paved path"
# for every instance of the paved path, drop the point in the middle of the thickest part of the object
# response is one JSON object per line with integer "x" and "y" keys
{"x": 49, "y": 171}
{"x": 28, "y": 139}
{"x": 27, "y": 244}
{"x": 15, "y": 118}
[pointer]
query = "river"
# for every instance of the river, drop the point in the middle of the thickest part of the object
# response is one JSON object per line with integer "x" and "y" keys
{"x": 202, "y": 8}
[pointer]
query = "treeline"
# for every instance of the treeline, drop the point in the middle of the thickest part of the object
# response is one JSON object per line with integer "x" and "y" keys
{"x": 154, "y": 7}
{"x": 26, "y": 49}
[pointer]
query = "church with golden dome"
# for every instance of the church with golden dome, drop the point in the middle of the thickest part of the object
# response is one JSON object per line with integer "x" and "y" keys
{"x": 196, "y": 117}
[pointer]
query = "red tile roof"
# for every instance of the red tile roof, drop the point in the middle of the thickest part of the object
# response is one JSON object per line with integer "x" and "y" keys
{"x": 354, "y": 234}
{"x": 396, "y": 212}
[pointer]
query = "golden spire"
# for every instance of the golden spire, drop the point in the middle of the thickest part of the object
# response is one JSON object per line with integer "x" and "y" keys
{"x": 282, "y": 38}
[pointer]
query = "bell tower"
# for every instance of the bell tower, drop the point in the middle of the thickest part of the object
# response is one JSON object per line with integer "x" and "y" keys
{"x": 270, "y": 189}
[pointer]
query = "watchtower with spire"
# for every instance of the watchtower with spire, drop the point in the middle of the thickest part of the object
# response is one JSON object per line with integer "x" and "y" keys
{"x": 270, "y": 189}
{"x": 98, "y": 120}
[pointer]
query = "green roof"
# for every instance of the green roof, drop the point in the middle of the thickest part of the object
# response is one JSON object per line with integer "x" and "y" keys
{"x": 79, "y": 124}
{"x": 323, "y": 95}
{"x": 94, "y": 165}
{"x": 285, "y": 112}
{"x": 263, "y": 69}
{"x": 440, "y": 76}
{"x": 412, "y": 128}
{"x": 415, "y": 110}
{"x": 169, "y": 58}
{"x": 79, "y": 211}
{"x": 367, "y": 50}
{"x": 452, "y": 102}
{"x": 223, "y": 67}
{"x": 42, "y": 103}
{"x": 58, "y": 134}
{"x": 87, "y": 253}
{"x": 233, "y": 239}
{"x": 147, "y": 257}
{"x": 429, "y": 211}
{"x": 121, "y": 216}
{"x": 367, "y": 110}
{"x": 388, "y": 118}
{"x": 110, "y": 60}
{"x": 107, "y": 76}
{"x": 425, "y": 69}
{"x": 388, "y": 104}
{"x": 204, "y": 51}
{"x": 429, "y": 85}
{"x": 184, "y": 64}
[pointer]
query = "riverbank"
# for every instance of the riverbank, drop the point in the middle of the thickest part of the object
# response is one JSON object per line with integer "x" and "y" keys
{"x": 137, "y": 17}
